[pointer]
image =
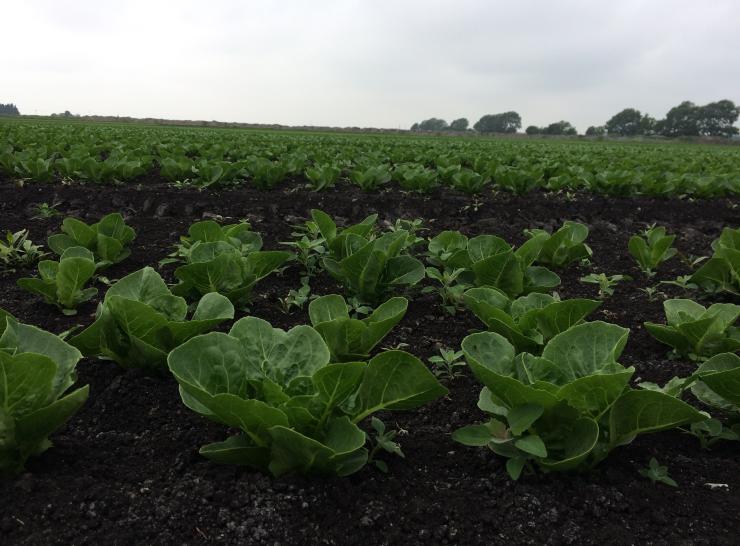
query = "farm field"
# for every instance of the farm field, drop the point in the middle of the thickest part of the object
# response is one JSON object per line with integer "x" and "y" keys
{"x": 126, "y": 468}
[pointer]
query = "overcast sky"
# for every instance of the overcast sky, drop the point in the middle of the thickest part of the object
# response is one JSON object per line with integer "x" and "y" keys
{"x": 372, "y": 63}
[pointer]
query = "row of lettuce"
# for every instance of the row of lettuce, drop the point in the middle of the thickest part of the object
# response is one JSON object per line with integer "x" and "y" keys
{"x": 46, "y": 152}
{"x": 554, "y": 389}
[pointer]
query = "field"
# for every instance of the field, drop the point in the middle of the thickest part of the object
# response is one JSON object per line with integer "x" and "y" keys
{"x": 125, "y": 469}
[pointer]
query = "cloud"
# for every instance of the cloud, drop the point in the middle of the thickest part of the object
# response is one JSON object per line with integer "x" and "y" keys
{"x": 379, "y": 63}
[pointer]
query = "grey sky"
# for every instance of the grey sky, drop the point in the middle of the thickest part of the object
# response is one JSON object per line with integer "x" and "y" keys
{"x": 368, "y": 63}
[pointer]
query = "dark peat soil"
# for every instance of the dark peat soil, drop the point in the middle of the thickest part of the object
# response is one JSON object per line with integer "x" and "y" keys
{"x": 126, "y": 469}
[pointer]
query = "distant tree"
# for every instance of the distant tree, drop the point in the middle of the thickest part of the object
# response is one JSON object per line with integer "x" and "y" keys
{"x": 718, "y": 118}
{"x": 533, "y": 130}
{"x": 681, "y": 120}
{"x": 460, "y": 124}
{"x": 630, "y": 122}
{"x": 433, "y": 124}
{"x": 596, "y": 131}
{"x": 415, "y": 127}
{"x": 506, "y": 122}
{"x": 9, "y": 110}
{"x": 560, "y": 128}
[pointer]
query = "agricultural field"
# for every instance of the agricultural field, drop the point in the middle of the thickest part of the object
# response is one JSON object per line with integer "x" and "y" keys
{"x": 234, "y": 336}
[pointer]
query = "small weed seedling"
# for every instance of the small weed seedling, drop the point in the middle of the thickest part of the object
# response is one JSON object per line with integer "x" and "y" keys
{"x": 446, "y": 366}
{"x": 658, "y": 473}
{"x": 653, "y": 293}
{"x": 44, "y": 211}
{"x": 450, "y": 290}
{"x": 296, "y": 298}
{"x": 652, "y": 249}
{"x": 683, "y": 282}
{"x": 607, "y": 283}
{"x": 383, "y": 439}
{"x": 309, "y": 247}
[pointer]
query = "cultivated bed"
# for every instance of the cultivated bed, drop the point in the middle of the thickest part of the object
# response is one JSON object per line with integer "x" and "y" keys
{"x": 126, "y": 468}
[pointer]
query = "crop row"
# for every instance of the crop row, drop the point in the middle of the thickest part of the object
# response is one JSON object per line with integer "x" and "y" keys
{"x": 45, "y": 152}
{"x": 555, "y": 393}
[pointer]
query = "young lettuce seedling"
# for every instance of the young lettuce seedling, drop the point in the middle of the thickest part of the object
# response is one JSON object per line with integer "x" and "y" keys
{"x": 38, "y": 369}
{"x": 721, "y": 273}
{"x": 567, "y": 409}
{"x": 563, "y": 247}
{"x": 62, "y": 283}
{"x": 295, "y": 412}
{"x": 696, "y": 331}
{"x": 108, "y": 239}
{"x": 528, "y": 322}
{"x": 140, "y": 321}
{"x": 350, "y": 339}
{"x": 658, "y": 473}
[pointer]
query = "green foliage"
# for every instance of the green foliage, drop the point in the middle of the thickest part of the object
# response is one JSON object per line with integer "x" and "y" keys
{"x": 223, "y": 259}
{"x": 383, "y": 440}
{"x": 238, "y": 237}
{"x": 450, "y": 288}
{"x": 322, "y": 176}
{"x": 309, "y": 246}
{"x": 295, "y": 412}
{"x": 569, "y": 408}
{"x": 371, "y": 178}
{"x": 607, "y": 283}
{"x": 528, "y": 322}
{"x": 350, "y": 339}
{"x": 492, "y": 262}
{"x": 19, "y": 251}
{"x": 696, "y": 331}
{"x": 370, "y": 268}
{"x": 209, "y": 157}
{"x": 446, "y": 364}
{"x": 652, "y": 249}
{"x": 62, "y": 283}
{"x": 721, "y": 273}
{"x": 107, "y": 239}
{"x": 140, "y": 321}
{"x": 563, "y": 247}
{"x": 657, "y": 473}
{"x": 37, "y": 370}
{"x": 413, "y": 177}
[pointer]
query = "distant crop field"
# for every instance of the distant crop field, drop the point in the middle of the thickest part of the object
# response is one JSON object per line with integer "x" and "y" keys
{"x": 101, "y": 154}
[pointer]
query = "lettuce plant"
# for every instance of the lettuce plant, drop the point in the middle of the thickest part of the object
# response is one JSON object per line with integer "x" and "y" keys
{"x": 494, "y": 263}
{"x": 368, "y": 267}
{"x": 351, "y": 339}
{"x": 563, "y": 247}
{"x": 447, "y": 247}
{"x": 321, "y": 177}
{"x": 652, "y": 249}
{"x": 223, "y": 259}
{"x": 696, "y": 331}
{"x": 108, "y": 239}
{"x": 140, "y": 321}
{"x": 372, "y": 177}
{"x": 294, "y": 411}
{"x": 37, "y": 370}
{"x": 63, "y": 283}
{"x": 528, "y": 322}
{"x": 239, "y": 237}
{"x": 721, "y": 273}
{"x": 569, "y": 408}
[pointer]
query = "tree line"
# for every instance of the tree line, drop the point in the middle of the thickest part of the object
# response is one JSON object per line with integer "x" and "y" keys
{"x": 716, "y": 119}
{"x": 9, "y": 110}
